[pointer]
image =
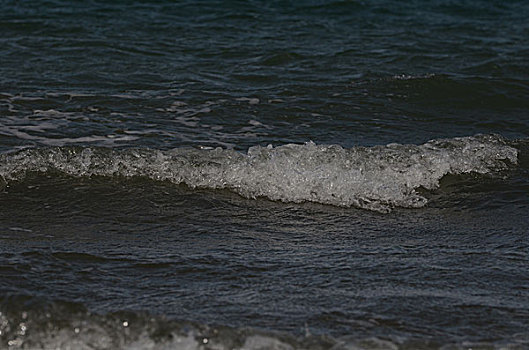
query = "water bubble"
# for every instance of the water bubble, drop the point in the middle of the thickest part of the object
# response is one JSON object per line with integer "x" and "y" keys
{"x": 23, "y": 329}
{"x": 15, "y": 342}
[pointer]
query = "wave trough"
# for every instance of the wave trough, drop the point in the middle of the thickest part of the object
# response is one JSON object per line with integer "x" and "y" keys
{"x": 376, "y": 178}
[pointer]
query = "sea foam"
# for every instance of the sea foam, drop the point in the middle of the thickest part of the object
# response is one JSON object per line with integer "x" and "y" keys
{"x": 377, "y": 178}
{"x": 29, "y": 323}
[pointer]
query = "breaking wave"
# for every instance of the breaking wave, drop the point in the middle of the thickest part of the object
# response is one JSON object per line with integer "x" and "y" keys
{"x": 376, "y": 178}
{"x": 33, "y": 323}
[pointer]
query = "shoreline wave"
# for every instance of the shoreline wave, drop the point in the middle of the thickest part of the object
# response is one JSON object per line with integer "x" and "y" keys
{"x": 377, "y": 178}
{"x": 35, "y": 323}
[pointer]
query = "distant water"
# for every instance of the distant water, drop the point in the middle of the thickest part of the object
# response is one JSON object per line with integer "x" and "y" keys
{"x": 264, "y": 174}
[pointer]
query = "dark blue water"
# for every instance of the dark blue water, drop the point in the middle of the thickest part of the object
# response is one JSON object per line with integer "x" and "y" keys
{"x": 251, "y": 174}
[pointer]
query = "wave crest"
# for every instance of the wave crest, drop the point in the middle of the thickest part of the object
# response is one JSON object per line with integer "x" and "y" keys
{"x": 377, "y": 178}
{"x": 33, "y": 323}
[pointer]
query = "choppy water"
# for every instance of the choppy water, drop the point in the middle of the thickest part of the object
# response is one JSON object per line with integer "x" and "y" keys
{"x": 229, "y": 174}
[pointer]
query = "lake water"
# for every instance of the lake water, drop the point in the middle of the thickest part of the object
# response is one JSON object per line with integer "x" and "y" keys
{"x": 264, "y": 175}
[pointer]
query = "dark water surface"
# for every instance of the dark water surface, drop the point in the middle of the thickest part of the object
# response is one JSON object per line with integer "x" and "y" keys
{"x": 149, "y": 198}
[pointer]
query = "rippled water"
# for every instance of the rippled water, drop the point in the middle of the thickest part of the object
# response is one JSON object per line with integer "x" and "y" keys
{"x": 251, "y": 174}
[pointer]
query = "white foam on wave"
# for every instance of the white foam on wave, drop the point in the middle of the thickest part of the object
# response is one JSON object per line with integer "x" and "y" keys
{"x": 62, "y": 325}
{"x": 377, "y": 178}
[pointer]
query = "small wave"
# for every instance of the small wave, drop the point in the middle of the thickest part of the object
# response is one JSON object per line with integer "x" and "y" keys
{"x": 33, "y": 323}
{"x": 377, "y": 178}
{"x": 472, "y": 91}
{"x": 412, "y": 77}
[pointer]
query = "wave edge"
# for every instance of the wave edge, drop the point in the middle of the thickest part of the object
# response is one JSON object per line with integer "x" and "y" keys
{"x": 377, "y": 178}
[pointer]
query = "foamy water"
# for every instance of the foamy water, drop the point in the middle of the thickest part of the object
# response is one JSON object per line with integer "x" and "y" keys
{"x": 377, "y": 178}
